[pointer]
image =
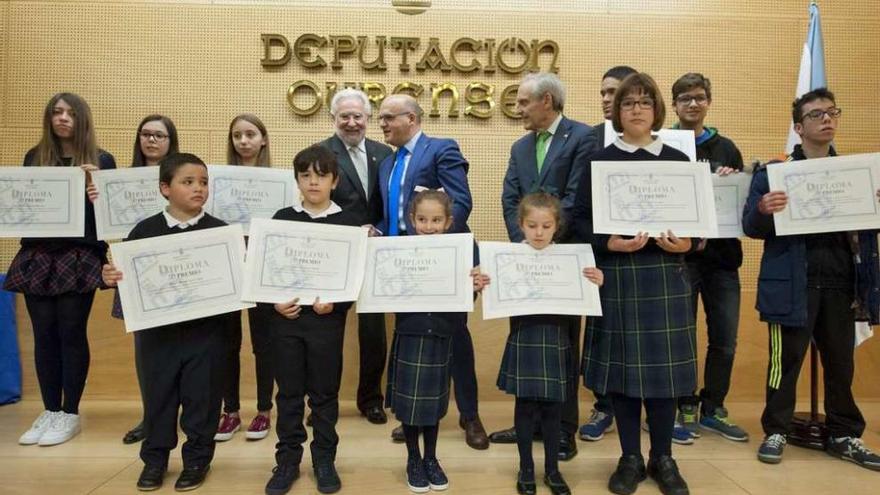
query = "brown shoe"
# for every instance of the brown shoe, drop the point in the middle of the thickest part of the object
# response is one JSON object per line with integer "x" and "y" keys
{"x": 474, "y": 433}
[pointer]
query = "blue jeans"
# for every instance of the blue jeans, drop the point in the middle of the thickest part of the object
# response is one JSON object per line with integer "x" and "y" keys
{"x": 720, "y": 291}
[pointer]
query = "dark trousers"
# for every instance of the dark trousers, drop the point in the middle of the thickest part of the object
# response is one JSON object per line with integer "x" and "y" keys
{"x": 464, "y": 375}
{"x": 182, "y": 367}
{"x": 661, "y": 420}
{"x": 61, "y": 347}
{"x": 373, "y": 348}
{"x": 720, "y": 291}
{"x": 308, "y": 361}
{"x": 830, "y": 325}
{"x": 261, "y": 342}
{"x": 570, "y": 412}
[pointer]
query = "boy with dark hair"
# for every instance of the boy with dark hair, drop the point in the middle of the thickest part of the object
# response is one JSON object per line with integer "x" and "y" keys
{"x": 713, "y": 270}
{"x": 610, "y": 81}
{"x": 181, "y": 362}
{"x": 812, "y": 287}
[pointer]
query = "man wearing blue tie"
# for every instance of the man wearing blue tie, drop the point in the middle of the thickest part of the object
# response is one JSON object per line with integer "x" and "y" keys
{"x": 420, "y": 160}
{"x": 552, "y": 157}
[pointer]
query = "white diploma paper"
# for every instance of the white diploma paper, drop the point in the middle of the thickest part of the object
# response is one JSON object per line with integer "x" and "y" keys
{"x": 417, "y": 273}
{"x": 527, "y": 281}
{"x": 731, "y": 192}
{"x": 238, "y": 193}
{"x": 680, "y": 139}
{"x": 180, "y": 277}
{"x": 831, "y": 194}
{"x": 42, "y": 201}
{"x": 286, "y": 260}
{"x": 653, "y": 196}
{"x": 125, "y": 197}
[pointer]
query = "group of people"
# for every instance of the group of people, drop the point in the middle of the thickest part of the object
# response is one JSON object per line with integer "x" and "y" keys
{"x": 640, "y": 354}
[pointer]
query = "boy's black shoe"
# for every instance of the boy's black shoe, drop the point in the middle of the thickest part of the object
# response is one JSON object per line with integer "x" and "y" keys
{"x": 525, "y": 482}
{"x": 629, "y": 473}
{"x": 326, "y": 477}
{"x": 135, "y": 434}
{"x": 556, "y": 483}
{"x": 191, "y": 478}
{"x": 852, "y": 449}
{"x": 151, "y": 478}
{"x": 665, "y": 473}
{"x": 567, "y": 446}
{"x": 283, "y": 476}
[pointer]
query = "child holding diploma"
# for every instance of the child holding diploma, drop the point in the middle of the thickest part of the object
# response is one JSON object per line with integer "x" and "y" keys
{"x": 155, "y": 139}
{"x": 59, "y": 276}
{"x": 181, "y": 363}
{"x": 419, "y": 363}
{"x": 536, "y": 357}
{"x": 248, "y": 144}
{"x": 307, "y": 343}
{"x": 642, "y": 351}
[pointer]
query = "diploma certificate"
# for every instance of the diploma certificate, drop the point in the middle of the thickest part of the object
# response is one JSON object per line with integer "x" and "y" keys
{"x": 180, "y": 277}
{"x": 731, "y": 192}
{"x": 42, "y": 202}
{"x": 125, "y": 197}
{"x": 418, "y": 273}
{"x": 286, "y": 260}
{"x": 653, "y": 196}
{"x": 527, "y": 281}
{"x": 238, "y": 194}
{"x": 830, "y": 194}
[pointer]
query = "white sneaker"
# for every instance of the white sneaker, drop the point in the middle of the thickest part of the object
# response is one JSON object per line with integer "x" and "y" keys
{"x": 40, "y": 426}
{"x": 62, "y": 429}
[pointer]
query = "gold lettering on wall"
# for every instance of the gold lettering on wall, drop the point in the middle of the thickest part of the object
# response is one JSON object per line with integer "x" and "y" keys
{"x": 404, "y": 45}
{"x": 512, "y": 46}
{"x": 309, "y": 88}
{"x": 302, "y": 50}
{"x": 436, "y": 91}
{"x": 379, "y": 62}
{"x": 476, "y": 95}
{"x": 268, "y": 41}
{"x": 433, "y": 58}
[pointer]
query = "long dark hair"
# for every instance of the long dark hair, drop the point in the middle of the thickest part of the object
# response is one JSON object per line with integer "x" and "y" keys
{"x": 138, "y": 159}
{"x": 85, "y": 147}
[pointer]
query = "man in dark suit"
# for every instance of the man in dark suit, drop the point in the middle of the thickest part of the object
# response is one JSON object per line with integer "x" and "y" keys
{"x": 433, "y": 163}
{"x": 552, "y": 157}
{"x": 358, "y": 191}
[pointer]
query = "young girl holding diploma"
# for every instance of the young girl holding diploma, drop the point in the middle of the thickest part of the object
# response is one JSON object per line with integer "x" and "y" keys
{"x": 536, "y": 357}
{"x": 248, "y": 144}
{"x": 59, "y": 276}
{"x": 642, "y": 351}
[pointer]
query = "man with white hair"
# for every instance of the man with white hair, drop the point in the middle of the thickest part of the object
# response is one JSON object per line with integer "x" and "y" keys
{"x": 553, "y": 158}
{"x": 358, "y": 191}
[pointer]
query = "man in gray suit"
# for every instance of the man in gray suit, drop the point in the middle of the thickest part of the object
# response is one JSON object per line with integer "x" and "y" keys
{"x": 553, "y": 158}
{"x": 358, "y": 191}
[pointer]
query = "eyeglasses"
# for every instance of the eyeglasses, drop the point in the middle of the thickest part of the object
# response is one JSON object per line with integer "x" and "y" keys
{"x": 643, "y": 103}
{"x": 390, "y": 116}
{"x": 155, "y": 136}
{"x": 818, "y": 113}
{"x": 687, "y": 99}
{"x": 357, "y": 117}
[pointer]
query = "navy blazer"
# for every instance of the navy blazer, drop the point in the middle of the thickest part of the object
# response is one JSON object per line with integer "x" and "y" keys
{"x": 435, "y": 163}
{"x": 565, "y": 165}
{"x": 350, "y": 193}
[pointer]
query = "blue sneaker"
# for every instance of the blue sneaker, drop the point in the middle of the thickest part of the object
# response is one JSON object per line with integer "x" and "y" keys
{"x": 416, "y": 478}
{"x": 720, "y": 424}
{"x": 598, "y": 425}
{"x": 687, "y": 417}
{"x": 437, "y": 480}
{"x": 679, "y": 434}
{"x": 771, "y": 449}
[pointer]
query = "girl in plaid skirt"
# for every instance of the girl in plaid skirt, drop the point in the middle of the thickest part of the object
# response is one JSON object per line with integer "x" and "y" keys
{"x": 419, "y": 364}
{"x": 535, "y": 363}
{"x": 59, "y": 276}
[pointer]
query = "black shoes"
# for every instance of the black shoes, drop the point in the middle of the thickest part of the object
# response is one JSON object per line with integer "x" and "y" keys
{"x": 665, "y": 472}
{"x": 326, "y": 477}
{"x": 151, "y": 478}
{"x": 556, "y": 483}
{"x": 567, "y": 446}
{"x": 525, "y": 482}
{"x": 375, "y": 415}
{"x": 503, "y": 436}
{"x": 191, "y": 478}
{"x": 397, "y": 435}
{"x": 282, "y": 478}
{"x": 135, "y": 434}
{"x": 629, "y": 473}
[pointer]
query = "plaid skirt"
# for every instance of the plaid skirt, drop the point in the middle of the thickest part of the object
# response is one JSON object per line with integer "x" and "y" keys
{"x": 536, "y": 360}
{"x": 644, "y": 345}
{"x": 41, "y": 270}
{"x": 418, "y": 378}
